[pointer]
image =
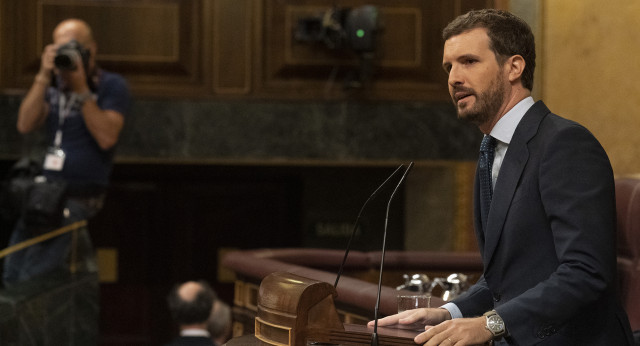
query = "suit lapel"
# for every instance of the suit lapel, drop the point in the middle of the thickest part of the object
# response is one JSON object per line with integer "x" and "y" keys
{"x": 509, "y": 176}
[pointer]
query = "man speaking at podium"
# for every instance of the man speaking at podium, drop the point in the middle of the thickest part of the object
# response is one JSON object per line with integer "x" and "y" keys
{"x": 544, "y": 206}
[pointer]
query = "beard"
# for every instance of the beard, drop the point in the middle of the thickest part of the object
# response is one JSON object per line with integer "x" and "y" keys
{"x": 487, "y": 103}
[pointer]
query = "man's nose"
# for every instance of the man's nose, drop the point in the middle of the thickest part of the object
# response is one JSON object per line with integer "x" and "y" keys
{"x": 455, "y": 76}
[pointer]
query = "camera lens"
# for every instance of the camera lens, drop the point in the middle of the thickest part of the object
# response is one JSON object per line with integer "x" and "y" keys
{"x": 65, "y": 61}
{"x": 68, "y": 56}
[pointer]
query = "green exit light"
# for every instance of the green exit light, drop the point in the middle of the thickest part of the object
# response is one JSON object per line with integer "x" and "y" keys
{"x": 360, "y": 33}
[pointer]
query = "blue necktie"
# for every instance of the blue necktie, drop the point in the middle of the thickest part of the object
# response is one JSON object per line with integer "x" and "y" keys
{"x": 485, "y": 163}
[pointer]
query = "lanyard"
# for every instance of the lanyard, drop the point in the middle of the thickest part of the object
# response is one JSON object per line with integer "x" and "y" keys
{"x": 63, "y": 112}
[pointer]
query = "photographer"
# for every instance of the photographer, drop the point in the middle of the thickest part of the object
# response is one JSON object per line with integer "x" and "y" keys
{"x": 83, "y": 109}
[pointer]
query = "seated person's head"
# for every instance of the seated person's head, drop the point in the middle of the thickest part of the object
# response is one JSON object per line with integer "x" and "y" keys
{"x": 190, "y": 303}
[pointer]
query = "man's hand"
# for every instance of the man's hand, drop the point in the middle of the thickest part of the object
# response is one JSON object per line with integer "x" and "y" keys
{"x": 458, "y": 332}
{"x": 46, "y": 60}
{"x": 414, "y": 319}
{"x": 33, "y": 110}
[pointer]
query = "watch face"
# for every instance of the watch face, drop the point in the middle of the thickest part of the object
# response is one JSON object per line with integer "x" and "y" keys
{"x": 495, "y": 324}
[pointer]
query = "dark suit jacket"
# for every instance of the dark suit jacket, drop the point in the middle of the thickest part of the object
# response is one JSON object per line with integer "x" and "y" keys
{"x": 191, "y": 341}
{"x": 549, "y": 249}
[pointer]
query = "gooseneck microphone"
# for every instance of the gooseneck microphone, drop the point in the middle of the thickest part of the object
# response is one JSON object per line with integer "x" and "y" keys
{"x": 356, "y": 223}
{"x": 374, "y": 336}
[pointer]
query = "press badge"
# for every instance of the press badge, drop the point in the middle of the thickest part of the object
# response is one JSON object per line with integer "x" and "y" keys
{"x": 54, "y": 160}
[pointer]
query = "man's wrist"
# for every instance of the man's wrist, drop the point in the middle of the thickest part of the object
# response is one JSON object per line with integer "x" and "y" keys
{"x": 483, "y": 322}
{"x": 495, "y": 325}
{"x": 447, "y": 314}
{"x": 84, "y": 97}
{"x": 42, "y": 78}
{"x": 453, "y": 309}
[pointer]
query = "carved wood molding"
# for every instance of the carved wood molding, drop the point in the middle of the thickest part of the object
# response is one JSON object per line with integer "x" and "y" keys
{"x": 161, "y": 47}
{"x": 238, "y": 48}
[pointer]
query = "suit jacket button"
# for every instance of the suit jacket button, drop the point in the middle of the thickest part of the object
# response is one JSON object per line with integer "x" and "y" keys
{"x": 496, "y": 298}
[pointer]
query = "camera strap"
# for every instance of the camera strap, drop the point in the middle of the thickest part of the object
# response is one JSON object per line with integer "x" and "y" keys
{"x": 55, "y": 156}
{"x": 63, "y": 112}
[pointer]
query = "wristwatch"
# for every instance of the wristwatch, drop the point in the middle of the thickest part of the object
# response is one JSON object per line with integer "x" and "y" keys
{"x": 495, "y": 324}
{"x": 82, "y": 98}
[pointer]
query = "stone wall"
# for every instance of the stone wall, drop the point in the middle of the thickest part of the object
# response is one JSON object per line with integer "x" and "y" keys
{"x": 216, "y": 131}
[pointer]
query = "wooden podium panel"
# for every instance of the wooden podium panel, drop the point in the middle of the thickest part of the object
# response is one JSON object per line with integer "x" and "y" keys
{"x": 292, "y": 309}
{"x": 297, "y": 311}
{"x": 353, "y": 334}
{"x": 356, "y": 334}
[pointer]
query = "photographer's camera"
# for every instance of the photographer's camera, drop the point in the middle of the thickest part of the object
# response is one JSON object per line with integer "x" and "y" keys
{"x": 70, "y": 54}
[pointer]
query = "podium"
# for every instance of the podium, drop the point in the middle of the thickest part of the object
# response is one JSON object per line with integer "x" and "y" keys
{"x": 298, "y": 311}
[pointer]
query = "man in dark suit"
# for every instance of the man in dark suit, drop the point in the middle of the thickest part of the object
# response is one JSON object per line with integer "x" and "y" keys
{"x": 190, "y": 304}
{"x": 544, "y": 206}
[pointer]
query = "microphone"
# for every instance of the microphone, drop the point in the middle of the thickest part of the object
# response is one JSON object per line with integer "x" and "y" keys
{"x": 374, "y": 336}
{"x": 355, "y": 224}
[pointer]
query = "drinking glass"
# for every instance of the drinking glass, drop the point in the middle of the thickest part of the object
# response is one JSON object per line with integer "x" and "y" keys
{"x": 408, "y": 302}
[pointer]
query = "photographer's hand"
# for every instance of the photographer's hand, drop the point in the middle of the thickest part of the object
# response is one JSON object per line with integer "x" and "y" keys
{"x": 46, "y": 61}
{"x": 33, "y": 109}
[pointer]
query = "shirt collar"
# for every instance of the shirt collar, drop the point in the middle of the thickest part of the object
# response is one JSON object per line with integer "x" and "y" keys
{"x": 195, "y": 332}
{"x": 506, "y": 126}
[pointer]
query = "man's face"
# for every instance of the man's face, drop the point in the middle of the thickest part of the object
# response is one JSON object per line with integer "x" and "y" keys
{"x": 477, "y": 83}
{"x": 72, "y": 31}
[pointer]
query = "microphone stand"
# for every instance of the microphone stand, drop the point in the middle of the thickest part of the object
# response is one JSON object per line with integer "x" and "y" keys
{"x": 355, "y": 225}
{"x": 374, "y": 336}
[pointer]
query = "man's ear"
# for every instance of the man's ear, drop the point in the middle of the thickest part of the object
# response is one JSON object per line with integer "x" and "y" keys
{"x": 515, "y": 65}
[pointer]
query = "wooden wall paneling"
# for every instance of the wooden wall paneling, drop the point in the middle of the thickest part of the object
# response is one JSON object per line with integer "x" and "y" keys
{"x": 411, "y": 51}
{"x": 134, "y": 222}
{"x": 411, "y": 48}
{"x": 164, "y": 49}
{"x": 19, "y": 54}
{"x": 463, "y": 6}
{"x": 407, "y": 62}
{"x": 408, "y": 58}
{"x": 205, "y": 48}
{"x": 5, "y": 31}
{"x": 232, "y": 46}
{"x": 304, "y": 69}
{"x": 161, "y": 47}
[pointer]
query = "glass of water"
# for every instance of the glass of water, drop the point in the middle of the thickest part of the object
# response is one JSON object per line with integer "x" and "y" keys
{"x": 415, "y": 301}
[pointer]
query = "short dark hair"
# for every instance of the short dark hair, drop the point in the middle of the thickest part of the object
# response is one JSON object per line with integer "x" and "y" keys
{"x": 191, "y": 311}
{"x": 508, "y": 36}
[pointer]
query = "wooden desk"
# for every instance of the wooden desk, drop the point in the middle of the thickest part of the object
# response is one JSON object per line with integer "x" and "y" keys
{"x": 353, "y": 334}
{"x": 293, "y": 310}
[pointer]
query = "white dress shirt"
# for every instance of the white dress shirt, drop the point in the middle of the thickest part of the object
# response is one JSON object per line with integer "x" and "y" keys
{"x": 195, "y": 332}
